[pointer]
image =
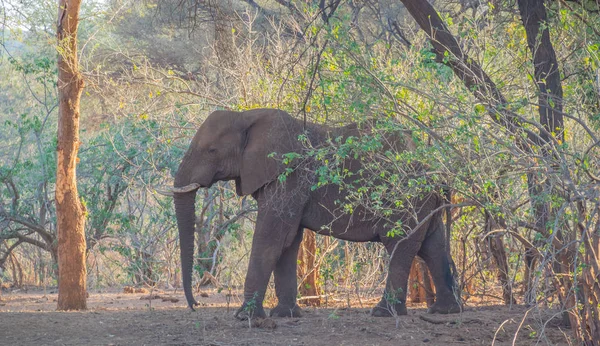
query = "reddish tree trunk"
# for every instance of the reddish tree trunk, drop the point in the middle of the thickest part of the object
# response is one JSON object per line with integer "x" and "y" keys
{"x": 420, "y": 287}
{"x": 307, "y": 271}
{"x": 70, "y": 212}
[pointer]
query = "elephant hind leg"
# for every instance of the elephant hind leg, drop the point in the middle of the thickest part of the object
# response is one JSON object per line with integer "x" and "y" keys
{"x": 286, "y": 282}
{"x": 446, "y": 300}
{"x": 393, "y": 302}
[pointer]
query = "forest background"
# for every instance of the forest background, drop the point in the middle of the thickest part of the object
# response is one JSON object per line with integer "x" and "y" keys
{"x": 505, "y": 111}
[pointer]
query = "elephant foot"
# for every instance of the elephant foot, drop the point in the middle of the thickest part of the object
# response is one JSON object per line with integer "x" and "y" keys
{"x": 441, "y": 307}
{"x": 384, "y": 309}
{"x": 246, "y": 311}
{"x": 284, "y": 311}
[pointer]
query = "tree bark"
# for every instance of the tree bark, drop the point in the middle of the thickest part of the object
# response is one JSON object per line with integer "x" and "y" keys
{"x": 546, "y": 72}
{"x": 496, "y": 246}
{"x": 308, "y": 271}
{"x": 420, "y": 288}
{"x": 547, "y": 79}
{"x": 550, "y": 93}
{"x": 70, "y": 212}
{"x": 17, "y": 271}
{"x": 223, "y": 34}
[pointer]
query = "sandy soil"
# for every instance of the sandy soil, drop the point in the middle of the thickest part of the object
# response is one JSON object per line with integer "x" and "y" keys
{"x": 118, "y": 318}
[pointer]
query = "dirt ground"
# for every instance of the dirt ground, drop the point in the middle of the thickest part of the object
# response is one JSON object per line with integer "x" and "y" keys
{"x": 119, "y": 318}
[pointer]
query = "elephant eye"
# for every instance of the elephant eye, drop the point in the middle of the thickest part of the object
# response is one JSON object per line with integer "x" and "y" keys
{"x": 212, "y": 150}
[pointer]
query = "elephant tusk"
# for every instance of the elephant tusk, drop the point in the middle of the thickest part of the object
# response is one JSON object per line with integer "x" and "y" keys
{"x": 187, "y": 188}
{"x": 165, "y": 192}
{"x": 170, "y": 191}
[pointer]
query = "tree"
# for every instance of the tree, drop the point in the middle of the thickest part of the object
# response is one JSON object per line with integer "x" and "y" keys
{"x": 308, "y": 269}
{"x": 547, "y": 148}
{"x": 70, "y": 212}
{"x": 478, "y": 87}
{"x": 547, "y": 79}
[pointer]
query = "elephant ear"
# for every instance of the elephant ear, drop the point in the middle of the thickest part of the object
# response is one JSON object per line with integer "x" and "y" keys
{"x": 266, "y": 131}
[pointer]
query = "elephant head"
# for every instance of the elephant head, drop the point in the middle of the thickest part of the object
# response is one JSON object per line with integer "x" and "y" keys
{"x": 229, "y": 146}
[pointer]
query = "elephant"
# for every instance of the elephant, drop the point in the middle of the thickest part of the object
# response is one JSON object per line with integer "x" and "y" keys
{"x": 238, "y": 146}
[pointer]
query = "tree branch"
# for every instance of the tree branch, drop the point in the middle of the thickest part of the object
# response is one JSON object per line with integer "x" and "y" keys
{"x": 47, "y": 236}
{"x": 32, "y": 241}
{"x": 448, "y": 51}
{"x": 9, "y": 250}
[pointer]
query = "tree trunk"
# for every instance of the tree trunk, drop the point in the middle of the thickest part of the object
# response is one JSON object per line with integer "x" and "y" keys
{"x": 498, "y": 253}
{"x": 529, "y": 290}
{"x": 145, "y": 274}
{"x": 70, "y": 212}
{"x": 550, "y": 99}
{"x": 546, "y": 72}
{"x": 547, "y": 79}
{"x": 308, "y": 271}
{"x": 223, "y": 34}
{"x": 17, "y": 271}
{"x": 419, "y": 285}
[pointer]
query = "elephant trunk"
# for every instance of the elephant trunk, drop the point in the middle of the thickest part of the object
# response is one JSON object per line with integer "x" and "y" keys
{"x": 186, "y": 216}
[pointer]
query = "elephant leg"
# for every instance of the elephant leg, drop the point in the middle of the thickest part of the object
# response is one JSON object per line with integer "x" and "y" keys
{"x": 272, "y": 235}
{"x": 286, "y": 281}
{"x": 439, "y": 267}
{"x": 393, "y": 302}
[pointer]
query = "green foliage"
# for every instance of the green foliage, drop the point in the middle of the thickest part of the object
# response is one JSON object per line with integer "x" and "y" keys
{"x": 149, "y": 86}
{"x": 250, "y": 306}
{"x": 392, "y": 297}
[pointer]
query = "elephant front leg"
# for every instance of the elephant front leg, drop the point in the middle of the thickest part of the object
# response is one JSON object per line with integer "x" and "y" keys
{"x": 286, "y": 282}
{"x": 272, "y": 236}
{"x": 393, "y": 301}
{"x": 259, "y": 271}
